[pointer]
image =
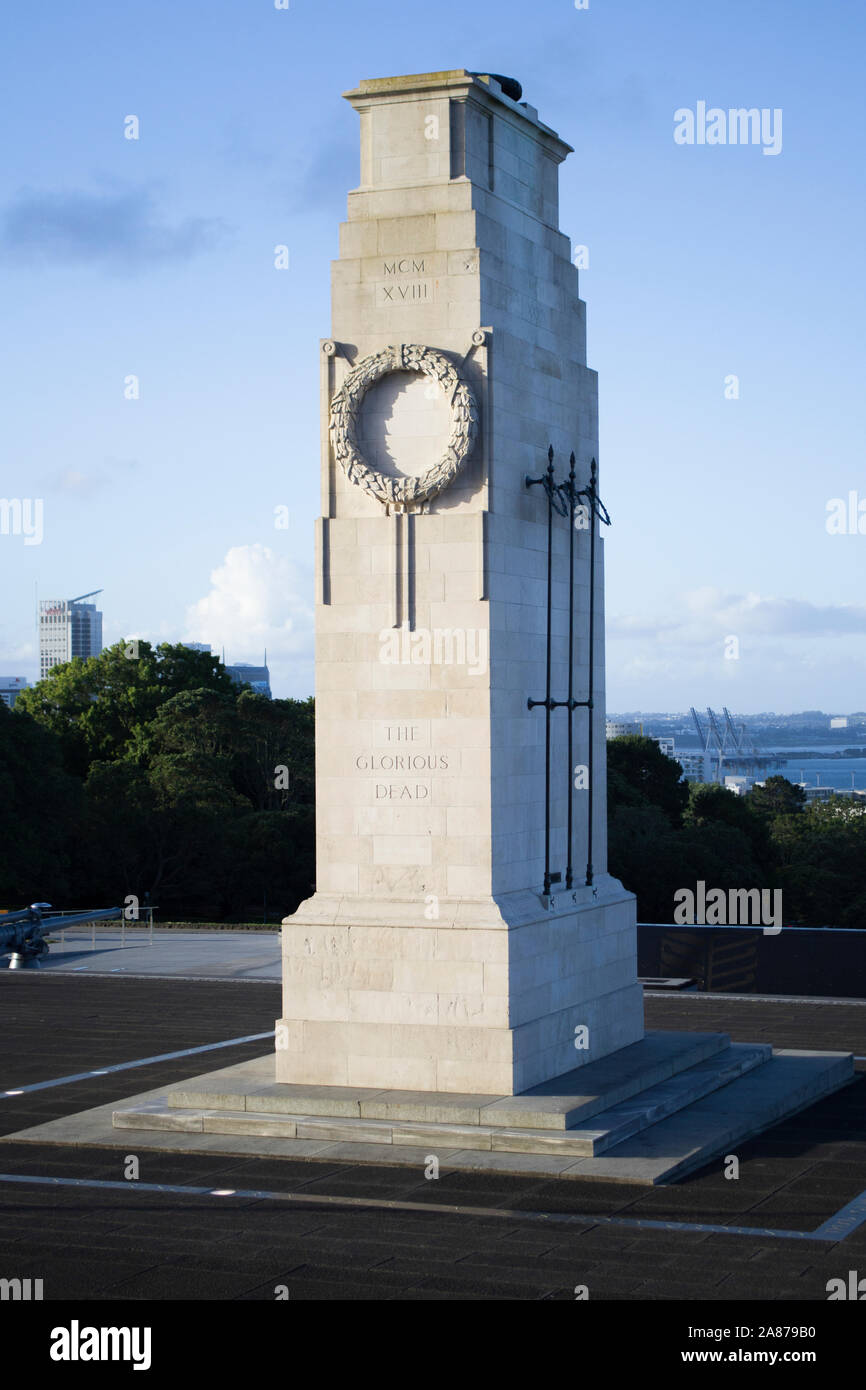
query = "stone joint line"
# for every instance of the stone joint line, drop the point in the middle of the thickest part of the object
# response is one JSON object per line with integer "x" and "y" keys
{"x": 834, "y": 1230}
{"x": 127, "y": 1066}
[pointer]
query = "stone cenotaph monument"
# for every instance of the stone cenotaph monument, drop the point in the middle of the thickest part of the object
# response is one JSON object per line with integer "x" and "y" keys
{"x": 431, "y": 956}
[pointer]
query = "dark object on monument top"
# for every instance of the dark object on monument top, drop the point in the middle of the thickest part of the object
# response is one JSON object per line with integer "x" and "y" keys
{"x": 510, "y": 85}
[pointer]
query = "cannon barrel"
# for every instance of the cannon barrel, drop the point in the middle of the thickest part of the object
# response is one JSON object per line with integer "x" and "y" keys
{"x": 21, "y": 932}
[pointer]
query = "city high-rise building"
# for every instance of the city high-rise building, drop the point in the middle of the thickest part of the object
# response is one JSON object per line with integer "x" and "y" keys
{"x": 259, "y": 677}
{"x": 68, "y": 628}
{"x": 11, "y": 687}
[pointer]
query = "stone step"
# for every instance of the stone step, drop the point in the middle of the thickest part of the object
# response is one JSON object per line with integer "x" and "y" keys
{"x": 559, "y": 1104}
{"x": 790, "y": 1081}
{"x": 664, "y": 1150}
{"x": 611, "y": 1127}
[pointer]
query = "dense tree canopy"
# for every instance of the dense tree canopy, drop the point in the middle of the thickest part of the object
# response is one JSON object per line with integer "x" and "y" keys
{"x": 661, "y": 840}
{"x": 41, "y": 810}
{"x": 640, "y": 773}
{"x": 99, "y": 707}
{"x": 777, "y": 797}
{"x": 148, "y": 772}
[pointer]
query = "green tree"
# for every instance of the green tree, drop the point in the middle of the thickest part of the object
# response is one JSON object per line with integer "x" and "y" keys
{"x": 643, "y": 853}
{"x": 777, "y": 797}
{"x": 41, "y": 808}
{"x": 712, "y": 805}
{"x": 277, "y": 850}
{"x": 654, "y": 860}
{"x": 147, "y": 841}
{"x": 194, "y": 816}
{"x": 275, "y": 765}
{"x": 822, "y": 853}
{"x": 639, "y": 764}
{"x": 99, "y": 707}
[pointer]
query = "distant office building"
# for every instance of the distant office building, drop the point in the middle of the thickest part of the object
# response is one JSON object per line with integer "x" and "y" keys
{"x": 854, "y": 794}
{"x": 694, "y": 766}
{"x": 11, "y": 687}
{"x": 738, "y": 784}
{"x": 613, "y": 729}
{"x": 259, "y": 677}
{"x": 68, "y": 628}
{"x": 666, "y": 745}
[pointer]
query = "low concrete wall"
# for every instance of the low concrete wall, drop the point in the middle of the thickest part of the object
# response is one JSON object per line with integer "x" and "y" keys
{"x": 827, "y": 962}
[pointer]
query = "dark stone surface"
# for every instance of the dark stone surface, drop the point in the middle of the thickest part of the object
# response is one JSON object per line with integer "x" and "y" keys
{"x": 98, "y": 1244}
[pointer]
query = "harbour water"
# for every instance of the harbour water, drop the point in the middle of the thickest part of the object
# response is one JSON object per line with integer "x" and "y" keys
{"x": 825, "y": 772}
{"x": 813, "y": 771}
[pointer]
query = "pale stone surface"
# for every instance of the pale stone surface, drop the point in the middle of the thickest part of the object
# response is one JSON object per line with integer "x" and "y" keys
{"x": 427, "y": 957}
{"x": 664, "y": 1151}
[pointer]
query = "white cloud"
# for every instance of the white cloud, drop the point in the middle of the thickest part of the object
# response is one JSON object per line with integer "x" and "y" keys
{"x": 259, "y": 600}
{"x": 706, "y": 613}
{"x": 790, "y": 654}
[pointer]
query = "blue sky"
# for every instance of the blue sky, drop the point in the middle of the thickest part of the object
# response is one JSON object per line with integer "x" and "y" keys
{"x": 154, "y": 258}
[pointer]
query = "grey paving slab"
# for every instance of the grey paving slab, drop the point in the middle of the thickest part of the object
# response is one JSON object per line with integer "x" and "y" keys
{"x": 539, "y": 1165}
{"x": 225, "y": 1088}
{"x": 193, "y": 955}
{"x": 381, "y": 1153}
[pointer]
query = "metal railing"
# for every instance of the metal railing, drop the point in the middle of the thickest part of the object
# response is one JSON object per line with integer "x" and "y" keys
{"x": 61, "y": 920}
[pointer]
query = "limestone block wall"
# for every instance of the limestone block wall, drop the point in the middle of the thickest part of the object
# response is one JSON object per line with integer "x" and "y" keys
{"x": 446, "y": 235}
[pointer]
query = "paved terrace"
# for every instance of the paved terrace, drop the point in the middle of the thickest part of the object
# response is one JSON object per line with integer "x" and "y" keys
{"x": 330, "y": 1230}
{"x": 194, "y": 955}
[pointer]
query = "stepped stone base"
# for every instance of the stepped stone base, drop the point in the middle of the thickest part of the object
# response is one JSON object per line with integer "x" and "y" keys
{"x": 648, "y": 1113}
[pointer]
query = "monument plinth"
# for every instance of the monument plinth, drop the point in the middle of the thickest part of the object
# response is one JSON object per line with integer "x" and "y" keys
{"x": 430, "y": 956}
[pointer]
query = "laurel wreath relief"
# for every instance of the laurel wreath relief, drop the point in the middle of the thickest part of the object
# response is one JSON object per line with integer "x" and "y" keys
{"x": 412, "y": 357}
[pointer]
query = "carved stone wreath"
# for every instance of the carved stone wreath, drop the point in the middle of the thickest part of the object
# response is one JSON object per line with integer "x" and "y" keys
{"x": 345, "y": 407}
